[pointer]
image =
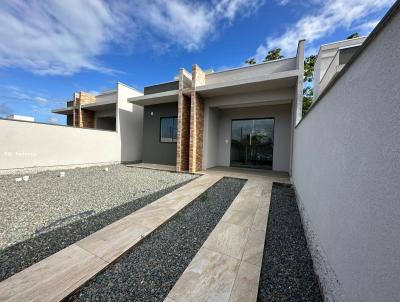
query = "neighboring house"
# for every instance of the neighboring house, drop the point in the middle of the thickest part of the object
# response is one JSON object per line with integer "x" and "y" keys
{"x": 239, "y": 117}
{"x": 331, "y": 58}
{"x": 20, "y": 118}
{"x": 99, "y": 111}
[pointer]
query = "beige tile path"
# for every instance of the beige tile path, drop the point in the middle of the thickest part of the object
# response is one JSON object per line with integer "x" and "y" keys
{"x": 227, "y": 266}
{"x": 60, "y": 274}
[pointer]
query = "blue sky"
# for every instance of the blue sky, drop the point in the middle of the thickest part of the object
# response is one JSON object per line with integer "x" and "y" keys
{"x": 52, "y": 48}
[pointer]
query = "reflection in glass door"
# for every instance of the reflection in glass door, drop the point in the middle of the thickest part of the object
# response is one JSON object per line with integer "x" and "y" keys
{"x": 252, "y": 143}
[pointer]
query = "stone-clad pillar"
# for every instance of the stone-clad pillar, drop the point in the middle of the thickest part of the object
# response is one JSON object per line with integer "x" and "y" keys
{"x": 183, "y": 134}
{"x": 83, "y": 118}
{"x": 196, "y": 122}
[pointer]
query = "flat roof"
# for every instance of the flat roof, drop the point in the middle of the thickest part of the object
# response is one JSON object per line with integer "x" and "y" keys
{"x": 155, "y": 98}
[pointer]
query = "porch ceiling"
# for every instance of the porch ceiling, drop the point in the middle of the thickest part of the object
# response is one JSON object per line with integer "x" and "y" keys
{"x": 278, "y": 80}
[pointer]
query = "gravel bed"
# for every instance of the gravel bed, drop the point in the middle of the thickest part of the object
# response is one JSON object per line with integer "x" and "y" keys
{"x": 149, "y": 271}
{"x": 48, "y": 213}
{"x": 287, "y": 270}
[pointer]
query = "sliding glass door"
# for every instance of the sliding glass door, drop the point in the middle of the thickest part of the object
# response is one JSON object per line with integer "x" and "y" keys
{"x": 252, "y": 143}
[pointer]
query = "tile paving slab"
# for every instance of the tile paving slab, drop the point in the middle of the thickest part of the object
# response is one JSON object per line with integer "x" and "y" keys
{"x": 228, "y": 265}
{"x": 57, "y": 276}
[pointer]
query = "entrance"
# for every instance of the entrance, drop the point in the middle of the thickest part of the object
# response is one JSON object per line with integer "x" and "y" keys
{"x": 252, "y": 143}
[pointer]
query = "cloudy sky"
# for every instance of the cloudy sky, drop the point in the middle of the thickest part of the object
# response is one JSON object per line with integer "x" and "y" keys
{"x": 52, "y": 48}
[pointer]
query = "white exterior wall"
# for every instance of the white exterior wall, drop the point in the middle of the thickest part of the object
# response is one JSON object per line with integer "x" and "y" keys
{"x": 210, "y": 139}
{"x": 129, "y": 124}
{"x": 26, "y": 144}
{"x": 346, "y": 170}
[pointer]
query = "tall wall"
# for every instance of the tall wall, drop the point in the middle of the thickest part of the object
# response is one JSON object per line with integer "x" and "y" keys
{"x": 346, "y": 170}
{"x": 129, "y": 124}
{"x": 25, "y": 144}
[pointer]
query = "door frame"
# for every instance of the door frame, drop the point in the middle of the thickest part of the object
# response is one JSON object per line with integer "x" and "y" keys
{"x": 273, "y": 140}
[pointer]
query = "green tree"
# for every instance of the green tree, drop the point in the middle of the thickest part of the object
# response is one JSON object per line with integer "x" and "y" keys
{"x": 251, "y": 61}
{"x": 309, "y": 63}
{"x": 274, "y": 54}
{"x": 308, "y": 91}
{"x": 307, "y": 99}
{"x": 353, "y": 35}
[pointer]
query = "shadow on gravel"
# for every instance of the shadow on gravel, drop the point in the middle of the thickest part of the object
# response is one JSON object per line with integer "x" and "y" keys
{"x": 23, "y": 254}
{"x": 287, "y": 272}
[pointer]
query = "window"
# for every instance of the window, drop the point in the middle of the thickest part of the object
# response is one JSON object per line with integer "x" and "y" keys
{"x": 168, "y": 129}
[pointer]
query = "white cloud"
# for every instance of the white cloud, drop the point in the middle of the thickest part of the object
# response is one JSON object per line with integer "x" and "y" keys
{"x": 283, "y": 2}
{"x": 324, "y": 20}
{"x": 63, "y": 37}
{"x": 53, "y": 120}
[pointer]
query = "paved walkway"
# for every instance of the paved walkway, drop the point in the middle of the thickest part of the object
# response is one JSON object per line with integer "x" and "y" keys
{"x": 57, "y": 276}
{"x": 227, "y": 266}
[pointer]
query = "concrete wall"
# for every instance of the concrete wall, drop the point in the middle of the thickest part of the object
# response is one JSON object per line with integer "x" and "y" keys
{"x": 129, "y": 124}
{"x": 217, "y": 137}
{"x": 211, "y": 134}
{"x": 25, "y": 144}
{"x": 153, "y": 150}
{"x": 346, "y": 170}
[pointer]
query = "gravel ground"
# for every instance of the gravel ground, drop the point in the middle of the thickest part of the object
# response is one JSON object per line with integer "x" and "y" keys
{"x": 48, "y": 213}
{"x": 150, "y": 270}
{"x": 287, "y": 271}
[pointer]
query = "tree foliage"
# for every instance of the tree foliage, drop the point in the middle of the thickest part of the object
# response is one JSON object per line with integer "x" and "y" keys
{"x": 309, "y": 63}
{"x": 251, "y": 61}
{"x": 274, "y": 54}
{"x": 353, "y": 35}
{"x": 308, "y": 91}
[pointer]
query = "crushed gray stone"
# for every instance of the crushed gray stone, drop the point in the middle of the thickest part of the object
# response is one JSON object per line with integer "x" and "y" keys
{"x": 48, "y": 213}
{"x": 149, "y": 271}
{"x": 287, "y": 272}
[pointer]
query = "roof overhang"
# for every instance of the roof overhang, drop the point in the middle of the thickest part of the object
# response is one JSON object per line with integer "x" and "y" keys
{"x": 66, "y": 111}
{"x": 279, "y": 80}
{"x": 100, "y": 106}
{"x": 155, "y": 98}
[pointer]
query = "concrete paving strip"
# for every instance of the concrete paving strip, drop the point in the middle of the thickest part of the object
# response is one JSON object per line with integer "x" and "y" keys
{"x": 228, "y": 265}
{"x": 57, "y": 276}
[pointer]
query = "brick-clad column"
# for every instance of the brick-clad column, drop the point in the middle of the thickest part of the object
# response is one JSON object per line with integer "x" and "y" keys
{"x": 196, "y": 121}
{"x": 83, "y": 118}
{"x": 182, "y": 144}
{"x": 196, "y": 133}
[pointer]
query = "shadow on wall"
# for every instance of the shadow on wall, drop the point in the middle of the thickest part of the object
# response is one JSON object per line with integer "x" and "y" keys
{"x": 131, "y": 133}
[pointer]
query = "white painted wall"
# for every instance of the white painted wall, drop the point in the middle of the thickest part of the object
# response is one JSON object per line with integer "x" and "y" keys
{"x": 25, "y": 144}
{"x": 346, "y": 170}
{"x": 129, "y": 124}
{"x": 217, "y": 133}
{"x": 210, "y": 139}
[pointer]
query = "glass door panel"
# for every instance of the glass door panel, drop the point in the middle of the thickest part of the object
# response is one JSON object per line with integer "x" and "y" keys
{"x": 252, "y": 143}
